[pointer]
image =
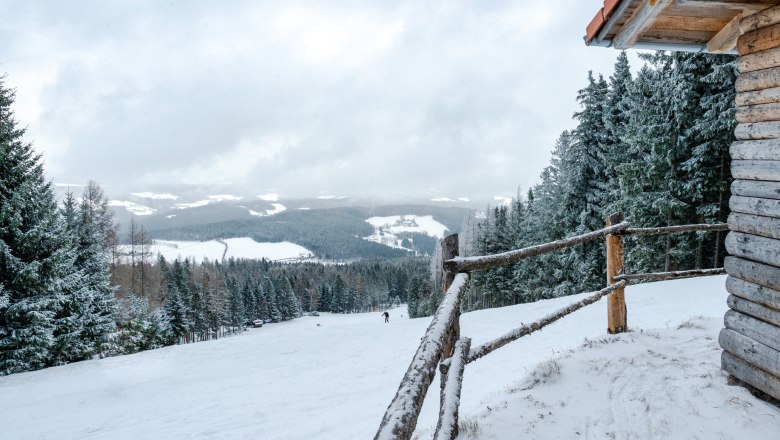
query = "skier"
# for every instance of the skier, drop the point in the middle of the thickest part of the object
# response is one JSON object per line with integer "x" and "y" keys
{"x": 387, "y": 316}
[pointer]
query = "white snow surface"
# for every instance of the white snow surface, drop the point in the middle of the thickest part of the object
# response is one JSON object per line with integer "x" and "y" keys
{"x": 329, "y": 197}
{"x": 301, "y": 380}
{"x": 277, "y": 208}
{"x": 244, "y": 247}
{"x": 269, "y": 197}
{"x": 155, "y": 196}
{"x": 134, "y": 208}
{"x": 503, "y": 200}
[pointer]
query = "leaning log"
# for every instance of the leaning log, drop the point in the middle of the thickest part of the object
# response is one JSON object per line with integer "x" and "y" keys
{"x": 756, "y": 170}
{"x": 756, "y": 188}
{"x": 469, "y": 264}
{"x": 400, "y": 419}
{"x": 754, "y": 247}
{"x": 751, "y": 374}
{"x": 760, "y": 355}
{"x": 451, "y": 384}
{"x": 758, "y": 113}
{"x": 754, "y": 272}
{"x": 758, "y": 311}
{"x": 755, "y": 224}
{"x": 755, "y": 206}
{"x": 759, "y": 61}
{"x": 527, "y": 329}
{"x": 661, "y": 276}
{"x": 758, "y": 130}
{"x": 753, "y": 328}
{"x": 753, "y": 292}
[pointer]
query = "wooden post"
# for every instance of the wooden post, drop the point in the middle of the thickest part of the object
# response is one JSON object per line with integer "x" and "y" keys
{"x": 449, "y": 250}
{"x": 616, "y": 307}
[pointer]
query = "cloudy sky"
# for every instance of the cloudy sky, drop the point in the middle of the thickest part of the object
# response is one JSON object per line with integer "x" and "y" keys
{"x": 381, "y": 98}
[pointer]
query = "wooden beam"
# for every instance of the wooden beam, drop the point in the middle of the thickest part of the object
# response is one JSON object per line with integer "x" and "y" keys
{"x": 725, "y": 4}
{"x": 753, "y": 292}
{"x": 755, "y": 188}
{"x": 753, "y": 247}
{"x": 758, "y": 40}
{"x": 768, "y": 149}
{"x": 758, "y": 311}
{"x": 754, "y": 272}
{"x": 726, "y": 39}
{"x": 758, "y": 354}
{"x": 761, "y": 79}
{"x": 756, "y": 97}
{"x": 759, "y": 61}
{"x": 750, "y": 374}
{"x": 758, "y": 130}
{"x": 758, "y": 113}
{"x": 759, "y": 20}
{"x": 640, "y": 21}
{"x": 755, "y": 224}
{"x": 660, "y": 276}
{"x": 753, "y": 328}
{"x": 756, "y": 170}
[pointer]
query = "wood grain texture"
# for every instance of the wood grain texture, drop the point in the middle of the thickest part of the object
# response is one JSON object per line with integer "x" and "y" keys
{"x": 753, "y": 328}
{"x": 752, "y": 351}
{"x": 755, "y": 224}
{"x": 766, "y": 149}
{"x": 758, "y": 80}
{"x": 754, "y": 247}
{"x": 759, "y": 61}
{"x": 758, "y": 311}
{"x": 759, "y": 39}
{"x": 759, "y": 20}
{"x": 758, "y": 130}
{"x": 756, "y": 170}
{"x": 755, "y": 206}
{"x": 753, "y": 292}
{"x": 759, "y": 112}
{"x": 750, "y": 374}
{"x": 640, "y": 21}
{"x": 754, "y": 272}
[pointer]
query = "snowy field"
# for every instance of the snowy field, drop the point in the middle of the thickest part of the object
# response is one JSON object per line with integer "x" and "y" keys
{"x": 332, "y": 376}
{"x": 243, "y": 247}
{"x": 387, "y": 228}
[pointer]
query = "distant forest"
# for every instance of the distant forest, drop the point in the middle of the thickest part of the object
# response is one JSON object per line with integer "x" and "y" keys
{"x": 332, "y": 234}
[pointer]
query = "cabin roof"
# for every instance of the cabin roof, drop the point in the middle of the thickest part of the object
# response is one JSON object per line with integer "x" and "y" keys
{"x": 682, "y": 25}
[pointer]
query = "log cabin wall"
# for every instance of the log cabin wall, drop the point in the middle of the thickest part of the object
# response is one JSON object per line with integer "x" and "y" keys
{"x": 751, "y": 339}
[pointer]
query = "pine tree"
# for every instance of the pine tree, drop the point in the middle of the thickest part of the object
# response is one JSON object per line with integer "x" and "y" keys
{"x": 35, "y": 256}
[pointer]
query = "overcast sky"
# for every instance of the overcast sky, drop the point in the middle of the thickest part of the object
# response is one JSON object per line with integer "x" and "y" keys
{"x": 359, "y": 98}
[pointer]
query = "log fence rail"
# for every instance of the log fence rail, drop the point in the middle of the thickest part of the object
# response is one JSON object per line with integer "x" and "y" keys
{"x": 443, "y": 347}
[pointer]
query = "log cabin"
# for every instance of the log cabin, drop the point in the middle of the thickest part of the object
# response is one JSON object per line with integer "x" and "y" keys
{"x": 751, "y": 29}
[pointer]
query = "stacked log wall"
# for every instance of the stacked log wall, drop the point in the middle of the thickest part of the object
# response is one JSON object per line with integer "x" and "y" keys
{"x": 751, "y": 338}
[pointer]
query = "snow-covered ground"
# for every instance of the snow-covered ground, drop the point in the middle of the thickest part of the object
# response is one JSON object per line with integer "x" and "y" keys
{"x": 243, "y": 247}
{"x": 134, "y": 208}
{"x": 277, "y": 208}
{"x": 332, "y": 376}
{"x": 387, "y": 228}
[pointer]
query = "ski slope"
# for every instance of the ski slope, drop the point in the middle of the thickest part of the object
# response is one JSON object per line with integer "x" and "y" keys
{"x": 332, "y": 376}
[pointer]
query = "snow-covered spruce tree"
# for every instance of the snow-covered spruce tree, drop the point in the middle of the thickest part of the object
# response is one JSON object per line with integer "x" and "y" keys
{"x": 35, "y": 255}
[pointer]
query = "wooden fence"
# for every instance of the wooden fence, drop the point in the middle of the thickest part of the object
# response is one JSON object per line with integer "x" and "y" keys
{"x": 443, "y": 347}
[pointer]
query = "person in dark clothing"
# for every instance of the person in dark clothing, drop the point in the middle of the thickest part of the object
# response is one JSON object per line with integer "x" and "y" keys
{"x": 387, "y": 316}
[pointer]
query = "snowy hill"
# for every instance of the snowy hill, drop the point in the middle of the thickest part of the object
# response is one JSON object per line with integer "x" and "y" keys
{"x": 301, "y": 380}
{"x": 215, "y": 250}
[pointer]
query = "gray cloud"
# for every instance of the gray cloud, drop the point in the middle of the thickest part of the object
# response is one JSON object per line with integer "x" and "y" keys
{"x": 389, "y": 98}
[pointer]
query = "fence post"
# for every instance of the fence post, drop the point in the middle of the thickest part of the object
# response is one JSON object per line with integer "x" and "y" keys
{"x": 449, "y": 250}
{"x": 616, "y": 306}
